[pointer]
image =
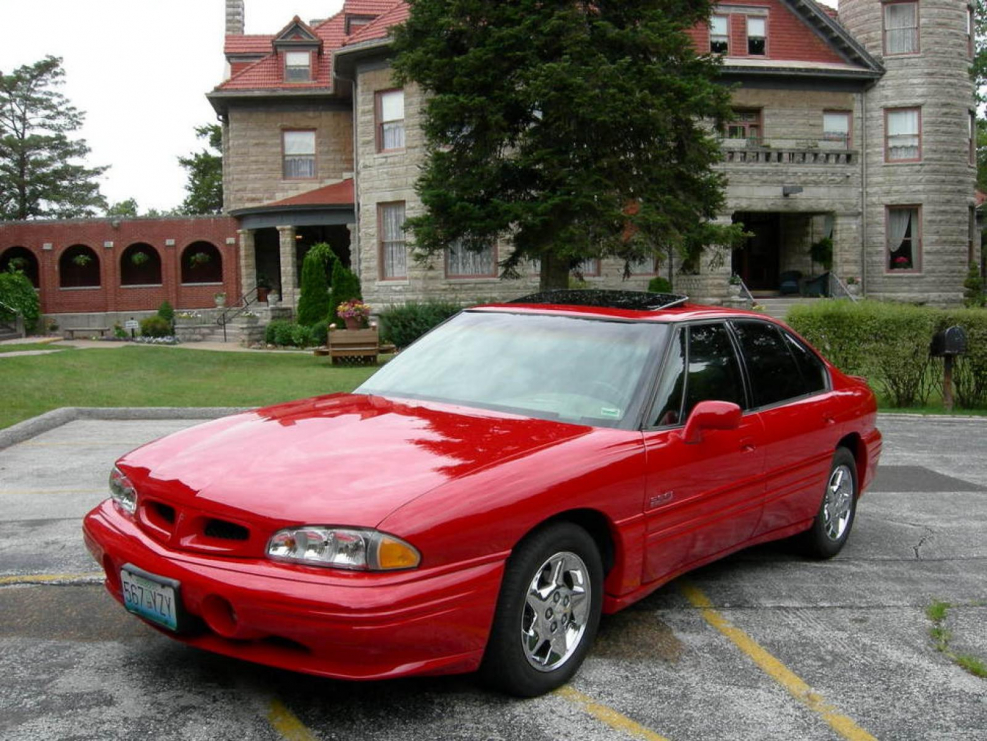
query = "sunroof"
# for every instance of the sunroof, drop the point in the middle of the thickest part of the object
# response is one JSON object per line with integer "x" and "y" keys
{"x": 633, "y": 300}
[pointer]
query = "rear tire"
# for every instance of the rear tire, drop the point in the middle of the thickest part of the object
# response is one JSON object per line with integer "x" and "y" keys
{"x": 547, "y": 613}
{"x": 834, "y": 520}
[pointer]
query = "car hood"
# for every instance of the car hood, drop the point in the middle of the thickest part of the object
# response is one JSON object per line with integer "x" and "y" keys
{"x": 342, "y": 459}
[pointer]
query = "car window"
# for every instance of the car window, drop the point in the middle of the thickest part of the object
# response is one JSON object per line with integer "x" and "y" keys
{"x": 668, "y": 401}
{"x": 814, "y": 373}
{"x": 774, "y": 374}
{"x": 713, "y": 368}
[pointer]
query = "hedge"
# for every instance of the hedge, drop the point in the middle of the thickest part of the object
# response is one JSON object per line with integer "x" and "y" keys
{"x": 889, "y": 345}
{"x": 17, "y": 292}
{"x": 402, "y": 325}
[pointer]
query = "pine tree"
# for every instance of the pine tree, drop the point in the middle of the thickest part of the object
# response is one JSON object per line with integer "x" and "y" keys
{"x": 39, "y": 172}
{"x": 314, "y": 303}
{"x": 574, "y": 129}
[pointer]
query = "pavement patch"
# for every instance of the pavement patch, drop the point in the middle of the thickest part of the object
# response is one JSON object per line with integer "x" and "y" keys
{"x": 918, "y": 478}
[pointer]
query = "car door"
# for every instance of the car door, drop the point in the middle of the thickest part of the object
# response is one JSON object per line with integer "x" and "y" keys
{"x": 700, "y": 499}
{"x": 793, "y": 397}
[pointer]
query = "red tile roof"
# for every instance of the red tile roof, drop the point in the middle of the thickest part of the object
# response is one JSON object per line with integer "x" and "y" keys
{"x": 367, "y": 7}
{"x": 381, "y": 27}
{"x": 337, "y": 194}
{"x": 254, "y": 44}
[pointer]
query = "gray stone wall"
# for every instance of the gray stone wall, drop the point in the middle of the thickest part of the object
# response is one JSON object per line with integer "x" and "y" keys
{"x": 937, "y": 81}
{"x": 252, "y": 148}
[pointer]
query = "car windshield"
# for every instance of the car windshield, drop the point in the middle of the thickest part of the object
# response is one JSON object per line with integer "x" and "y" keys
{"x": 584, "y": 371}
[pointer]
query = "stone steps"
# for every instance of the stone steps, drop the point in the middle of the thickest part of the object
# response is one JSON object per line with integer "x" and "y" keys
{"x": 779, "y": 307}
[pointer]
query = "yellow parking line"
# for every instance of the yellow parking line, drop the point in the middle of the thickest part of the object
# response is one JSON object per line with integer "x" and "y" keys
{"x": 775, "y": 669}
{"x": 608, "y": 715}
{"x": 286, "y": 723}
{"x": 43, "y": 578}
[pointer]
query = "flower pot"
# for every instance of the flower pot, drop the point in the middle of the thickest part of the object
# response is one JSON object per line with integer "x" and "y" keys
{"x": 262, "y": 294}
{"x": 220, "y": 302}
{"x": 853, "y": 288}
{"x": 353, "y": 323}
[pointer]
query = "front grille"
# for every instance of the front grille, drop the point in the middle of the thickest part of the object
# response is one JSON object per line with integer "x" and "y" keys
{"x": 223, "y": 530}
{"x": 165, "y": 512}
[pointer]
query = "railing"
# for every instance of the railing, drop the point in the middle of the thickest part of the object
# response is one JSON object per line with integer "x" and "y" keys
{"x": 746, "y": 291}
{"x": 239, "y": 306}
{"x": 839, "y": 289}
{"x": 16, "y": 321}
{"x": 770, "y": 156}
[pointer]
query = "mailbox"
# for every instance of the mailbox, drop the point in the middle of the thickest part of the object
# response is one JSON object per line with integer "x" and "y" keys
{"x": 948, "y": 343}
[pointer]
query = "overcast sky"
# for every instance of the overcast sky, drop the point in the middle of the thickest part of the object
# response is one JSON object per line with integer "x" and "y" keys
{"x": 139, "y": 70}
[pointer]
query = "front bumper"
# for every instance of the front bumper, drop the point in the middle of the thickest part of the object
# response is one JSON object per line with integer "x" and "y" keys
{"x": 318, "y": 621}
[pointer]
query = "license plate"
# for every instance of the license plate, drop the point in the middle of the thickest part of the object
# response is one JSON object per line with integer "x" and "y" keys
{"x": 150, "y": 596}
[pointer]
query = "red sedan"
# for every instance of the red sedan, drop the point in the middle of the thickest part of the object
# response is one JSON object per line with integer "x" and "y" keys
{"x": 486, "y": 495}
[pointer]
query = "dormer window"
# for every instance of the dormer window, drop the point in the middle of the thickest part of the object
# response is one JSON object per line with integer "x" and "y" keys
{"x": 298, "y": 66}
{"x": 757, "y": 31}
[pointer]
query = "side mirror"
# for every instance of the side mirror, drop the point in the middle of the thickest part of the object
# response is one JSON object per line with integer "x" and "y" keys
{"x": 710, "y": 415}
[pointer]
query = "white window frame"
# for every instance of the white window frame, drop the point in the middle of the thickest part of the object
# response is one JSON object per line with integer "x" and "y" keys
{"x": 297, "y": 161}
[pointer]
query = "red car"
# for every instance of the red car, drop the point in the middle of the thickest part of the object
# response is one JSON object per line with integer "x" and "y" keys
{"x": 481, "y": 499}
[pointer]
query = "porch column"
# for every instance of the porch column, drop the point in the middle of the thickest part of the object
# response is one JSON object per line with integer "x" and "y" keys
{"x": 248, "y": 260}
{"x": 289, "y": 281}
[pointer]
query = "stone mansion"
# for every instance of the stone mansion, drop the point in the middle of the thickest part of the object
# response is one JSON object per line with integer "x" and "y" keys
{"x": 857, "y": 125}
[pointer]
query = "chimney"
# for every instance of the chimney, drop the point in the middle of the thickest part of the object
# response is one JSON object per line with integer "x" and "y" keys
{"x": 234, "y": 17}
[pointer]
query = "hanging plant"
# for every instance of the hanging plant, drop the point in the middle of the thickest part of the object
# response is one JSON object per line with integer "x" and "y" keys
{"x": 139, "y": 258}
{"x": 821, "y": 252}
{"x": 18, "y": 263}
{"x": 82, "y": 259}
{"x": 199, "y": 258}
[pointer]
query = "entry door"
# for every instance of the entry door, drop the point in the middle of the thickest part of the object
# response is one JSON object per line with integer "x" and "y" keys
{"x": 758, "y": 261}
{"x": 705, "y": 498}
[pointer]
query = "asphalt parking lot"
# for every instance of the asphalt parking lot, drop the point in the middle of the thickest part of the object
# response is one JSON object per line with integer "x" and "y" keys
{"x": 763, "y": 645}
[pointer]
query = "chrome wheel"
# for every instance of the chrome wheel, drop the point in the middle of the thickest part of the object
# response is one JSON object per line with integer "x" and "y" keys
{"x": 838, "y": 503}
{"x": 556, "y": 611}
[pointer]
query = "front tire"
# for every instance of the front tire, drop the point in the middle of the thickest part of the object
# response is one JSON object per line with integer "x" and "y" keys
{"x": 547, "y": 613}
{"x": 831, "y": 528}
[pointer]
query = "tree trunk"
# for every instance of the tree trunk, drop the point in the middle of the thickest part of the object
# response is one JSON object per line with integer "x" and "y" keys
{"x": 554, "y": 273}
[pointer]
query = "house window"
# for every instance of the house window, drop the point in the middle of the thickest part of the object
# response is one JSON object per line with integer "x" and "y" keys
{"x": 970, "y": 41}
{"x": 299, "y": 155}
{"x": 745, "y": 125}
{"x": 390, "y": 120}
{"x": 298, "y": 66}
{"x": 589, "y": 268}
{"x": 902, "y": 135}
{"x": 719, "y": 34}
{"x": 463, "y": 263}
{"x": 644, "y": 266}
{"x": 904, "y": 232}
{"x": 901, "y": 28}
{"x": 757, "y": 36}
{"x": 836, "y": 127}
{"x": 393, "y": 254}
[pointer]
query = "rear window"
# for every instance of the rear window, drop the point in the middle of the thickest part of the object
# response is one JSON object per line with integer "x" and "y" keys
{"x": 777, "y": 373}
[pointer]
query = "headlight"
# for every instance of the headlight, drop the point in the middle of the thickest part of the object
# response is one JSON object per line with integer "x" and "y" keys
{"x": 122, "y": 491}
{"x": 342, "y": 548}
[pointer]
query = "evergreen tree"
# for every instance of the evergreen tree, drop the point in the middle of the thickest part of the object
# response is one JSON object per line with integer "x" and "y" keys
{"x": 576, "y": 129}
{"x": 205, "y": 174}
{"x": 314, "y": 303}
{"x": 39, "y": 172}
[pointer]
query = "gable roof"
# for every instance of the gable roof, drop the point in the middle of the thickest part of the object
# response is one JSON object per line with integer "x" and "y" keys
{"x": 252, "y": 44}
{"x": 296, "y": 30}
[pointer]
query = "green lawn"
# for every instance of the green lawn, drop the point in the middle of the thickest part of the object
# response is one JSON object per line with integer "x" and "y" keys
{"x": 24, "y": 347}
{"x": 164, "y": 376}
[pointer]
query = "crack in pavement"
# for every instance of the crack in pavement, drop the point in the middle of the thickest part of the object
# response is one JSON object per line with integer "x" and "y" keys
{"x": 918, "y": 548}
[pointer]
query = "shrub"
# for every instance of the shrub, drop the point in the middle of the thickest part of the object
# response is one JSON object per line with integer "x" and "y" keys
{"x": 973, "y": 294}
{"x": 119, "y": 332}
{"x": 314, "y": 302}
{"x": 402, "y": 325}
{"x": 345, "y": 287}
{"x": 319, "y": 332}
{"x": 17, "y": 292}
{"x": 278, "y": 332}
{"x": 166, "y": 312}
{"x": 155, "y": 326}
{"x": 301, "y": 336}
{"x": 659, "y": 285}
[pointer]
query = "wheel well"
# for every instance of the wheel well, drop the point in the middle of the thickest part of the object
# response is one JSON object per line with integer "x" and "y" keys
{"x": 855, "y": 445}
{"x": 593, "y": 522}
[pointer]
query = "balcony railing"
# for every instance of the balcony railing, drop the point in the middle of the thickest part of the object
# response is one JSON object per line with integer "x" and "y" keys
{"x": 755, "y": 155}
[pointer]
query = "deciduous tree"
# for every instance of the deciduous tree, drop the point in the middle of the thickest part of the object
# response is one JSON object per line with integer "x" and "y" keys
{"x": 41, "y": 170}
{"x": 205, "y": 174}
{"x": 574, "y": 129}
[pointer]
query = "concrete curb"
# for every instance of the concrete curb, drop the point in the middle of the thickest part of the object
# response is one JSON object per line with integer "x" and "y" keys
{"x": 29, "y": 428}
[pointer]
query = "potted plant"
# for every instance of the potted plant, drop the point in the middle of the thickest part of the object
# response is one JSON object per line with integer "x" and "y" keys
{"x": 853, "y": 285}
{"x": 82, "y": 259}
{"x": 220, "y": 300}
{"x": 263, "y": 288}
{"x": 18, "y": 263}
{"x": 821, "y": 252}
{"x": 354, "y": 312}
{"x": 199, "y": 258}
{"x": 901, "y": 263}
{"x": 735, "y": 285}
{"x": 250, "y": 317}
{"x": 139, "y": 258}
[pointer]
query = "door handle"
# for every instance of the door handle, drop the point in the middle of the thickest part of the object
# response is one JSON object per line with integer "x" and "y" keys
{"x": 747, "y": 445}
{"x": 829, "y": 420}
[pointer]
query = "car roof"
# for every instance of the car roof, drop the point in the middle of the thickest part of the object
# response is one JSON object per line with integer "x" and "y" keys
{"x": 626, "y": 305}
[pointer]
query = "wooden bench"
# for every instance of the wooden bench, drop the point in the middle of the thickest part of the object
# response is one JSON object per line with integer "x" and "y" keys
{"x": 86, "y": 331}
{"x": 353, "y": 345}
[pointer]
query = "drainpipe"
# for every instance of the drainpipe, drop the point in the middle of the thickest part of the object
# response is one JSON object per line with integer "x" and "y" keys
{"x": 355, "y": 244}
{"x": 863, "y": 191}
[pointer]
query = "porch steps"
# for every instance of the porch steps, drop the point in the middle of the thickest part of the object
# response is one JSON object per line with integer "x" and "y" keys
{"x": 779, "y": 307}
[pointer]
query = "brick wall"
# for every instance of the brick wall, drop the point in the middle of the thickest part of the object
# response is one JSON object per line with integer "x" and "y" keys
{"x": 108, "y": 239}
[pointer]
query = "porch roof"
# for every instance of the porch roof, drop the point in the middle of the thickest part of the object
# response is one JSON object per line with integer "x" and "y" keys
{"x": 330, "y": 204}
